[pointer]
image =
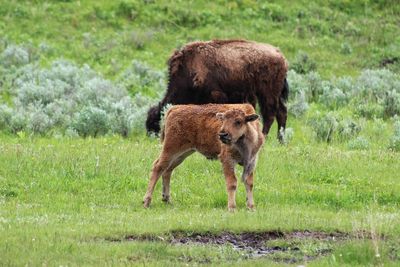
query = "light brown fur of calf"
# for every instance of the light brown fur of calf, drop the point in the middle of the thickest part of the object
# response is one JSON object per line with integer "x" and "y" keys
{"x": 190, "y": 128}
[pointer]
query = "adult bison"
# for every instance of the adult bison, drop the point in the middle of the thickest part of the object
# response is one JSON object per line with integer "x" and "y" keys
{"x": 227, "y": 71}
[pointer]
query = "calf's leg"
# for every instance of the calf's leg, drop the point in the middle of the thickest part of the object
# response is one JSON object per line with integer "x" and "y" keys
{"x": 167, "y": 176}
{"x": 231, "y": 183}
{"x": 159, "y": 167}
{"x": 165, "y": 189}
{"x": 248, "y": 182}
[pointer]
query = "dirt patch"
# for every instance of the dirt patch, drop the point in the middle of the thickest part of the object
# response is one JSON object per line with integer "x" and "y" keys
{"x": 256, "y": 244}
{"x": 279, "y": 246}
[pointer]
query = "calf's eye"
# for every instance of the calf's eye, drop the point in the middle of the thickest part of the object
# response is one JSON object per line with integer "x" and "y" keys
{"x": 237, "y": 123}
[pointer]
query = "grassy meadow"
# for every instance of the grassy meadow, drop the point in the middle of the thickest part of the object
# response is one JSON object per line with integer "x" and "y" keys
{"x": 76, "y": 80}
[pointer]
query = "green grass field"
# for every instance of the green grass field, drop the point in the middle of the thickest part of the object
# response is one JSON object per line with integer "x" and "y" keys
{"x": 107, "y": 35}
{"x": 62, "y": 199}
{"x": 66, "y": 200}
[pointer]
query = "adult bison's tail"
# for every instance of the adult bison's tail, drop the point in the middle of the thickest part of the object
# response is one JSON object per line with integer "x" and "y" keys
{"x": 285, "y": 91}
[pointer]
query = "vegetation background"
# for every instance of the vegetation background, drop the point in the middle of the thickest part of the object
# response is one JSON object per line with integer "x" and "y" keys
{"x": 77, "y": 78}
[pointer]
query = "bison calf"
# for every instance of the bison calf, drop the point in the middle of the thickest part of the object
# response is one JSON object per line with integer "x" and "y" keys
{"x": 230, "y": 132}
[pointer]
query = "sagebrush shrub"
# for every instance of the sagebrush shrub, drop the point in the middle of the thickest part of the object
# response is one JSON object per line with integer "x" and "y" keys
{"x": 18, "y": 123}
{"x": 314, "y": 83}
{"x": 378, "y": 126}
{"x": 14, "y": 56}
{"x": 372, "y": 85}
{"x": 71, "y": 133}
{"x": 324, "y": 126}
{"x": 381, "y": 87}
{"x": 394, "y": 142}
{"x": 66, "y": 96}
{"x": 348, "y": 128}
{"x": 303, "y": 63}
{"x": 345, "y": 84}
{"x": 297, "y": 84}
{"x": 391, "y": 103}
{"x": 139, "y": 77}
{"x": 287, "y": 135}
{"x": 332, "y": 96}
{"x": 39, "y": 122}
{"x": 374, "y": 94}
{"x": 309, "y": 84}
{"x": 299, "y": 106}
{"x": 369, "y": 110}
{"x": 5, "y": 116}
{"x": 358, "y": 143}
{"x": 91, "y": 121}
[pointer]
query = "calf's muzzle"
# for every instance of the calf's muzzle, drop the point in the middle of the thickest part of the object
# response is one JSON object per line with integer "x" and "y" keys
{"x": 224, "y": 137}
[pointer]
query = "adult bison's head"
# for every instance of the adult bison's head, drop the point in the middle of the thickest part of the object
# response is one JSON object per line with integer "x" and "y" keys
{"x": 234, "y": 125}
{"x": 153, "y": 119}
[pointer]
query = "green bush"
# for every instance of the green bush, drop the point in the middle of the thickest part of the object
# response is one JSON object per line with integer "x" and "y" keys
{"x": 394, "y": 143}
{"x": 303, "y": 63}
{"x": 358, "y": 143}
{"x": 91, "y": 121}
{"x": 66, "y": 96}
{"x": 348, "y": 129}
{"x": 391, "y": 103}
{"x": 369, "y": 110}
{"x": 324, "y": 126}
{"x": 14, "y": 56}
{"x": 299, "y": 106}
{"x": 5, "y": 116}
{"x": 333, "y": 97}
{"x": 287, "y": 135}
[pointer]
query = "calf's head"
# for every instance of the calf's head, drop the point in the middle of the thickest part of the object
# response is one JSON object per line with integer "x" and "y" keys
{"x": 234, "y": 125}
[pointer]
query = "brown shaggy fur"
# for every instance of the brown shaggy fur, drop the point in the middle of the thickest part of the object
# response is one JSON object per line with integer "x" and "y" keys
{"x": 230, "y": 132}
{"x": 227, "y": 71}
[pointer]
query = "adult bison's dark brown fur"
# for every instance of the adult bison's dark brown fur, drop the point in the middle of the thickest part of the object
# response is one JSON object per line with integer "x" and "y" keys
{"x": 227, "y": 71}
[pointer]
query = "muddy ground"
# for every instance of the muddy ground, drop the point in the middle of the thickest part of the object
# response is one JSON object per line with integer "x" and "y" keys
{"x": 279, "y": 246}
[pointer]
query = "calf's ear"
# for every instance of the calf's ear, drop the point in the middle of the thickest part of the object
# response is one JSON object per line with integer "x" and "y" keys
{"x": 251, "y": 117}
{"x": 220, "y": 115}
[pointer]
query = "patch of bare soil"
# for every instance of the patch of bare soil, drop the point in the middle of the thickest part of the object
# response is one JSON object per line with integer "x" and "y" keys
{"x": 254, "y": 244}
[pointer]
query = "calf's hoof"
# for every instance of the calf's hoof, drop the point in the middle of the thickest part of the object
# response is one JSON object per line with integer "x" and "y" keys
{"x": 251, "y": 208}
{"x": 146, "y": 202}
{"x": 232, "y": 208}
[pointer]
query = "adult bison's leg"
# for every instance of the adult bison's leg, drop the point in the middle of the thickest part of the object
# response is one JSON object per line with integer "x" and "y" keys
{"x": 268, "y": 108}
{"x": 281, "y": 117}
{"x": 231, "y": 182}
{"x": 167, "y": 176}
{"x": 159, "y": 166}
{"x": 249, "y": 191}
